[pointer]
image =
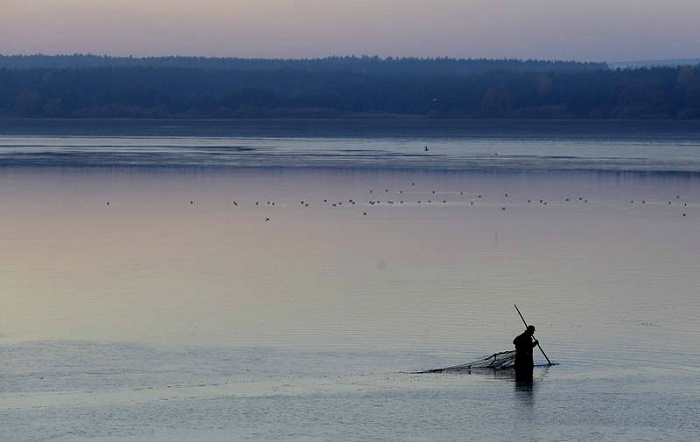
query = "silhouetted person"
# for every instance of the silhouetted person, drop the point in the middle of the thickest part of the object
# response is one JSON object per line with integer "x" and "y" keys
{"x": 524, "y": 363}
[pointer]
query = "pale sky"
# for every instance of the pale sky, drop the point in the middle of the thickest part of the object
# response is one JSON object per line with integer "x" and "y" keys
{"x": 598, "y": 30}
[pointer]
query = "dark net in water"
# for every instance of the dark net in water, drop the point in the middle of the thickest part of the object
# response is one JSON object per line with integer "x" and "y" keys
{"x": 496, "y": 361}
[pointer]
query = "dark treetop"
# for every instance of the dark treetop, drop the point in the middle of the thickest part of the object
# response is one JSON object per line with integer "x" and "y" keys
{"x": 88, "y": 86}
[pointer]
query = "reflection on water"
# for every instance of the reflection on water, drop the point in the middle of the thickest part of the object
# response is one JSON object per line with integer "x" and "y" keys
{"x": 355, "y": 258}
{"x": 295, "y": 302}
{"x": 215, "y": 301}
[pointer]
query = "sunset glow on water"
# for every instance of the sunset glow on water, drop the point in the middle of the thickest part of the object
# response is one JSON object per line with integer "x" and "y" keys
{"x": 141, "y": 293}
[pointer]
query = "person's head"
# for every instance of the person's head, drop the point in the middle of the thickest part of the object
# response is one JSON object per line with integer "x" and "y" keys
{"x": 530, "y": 330}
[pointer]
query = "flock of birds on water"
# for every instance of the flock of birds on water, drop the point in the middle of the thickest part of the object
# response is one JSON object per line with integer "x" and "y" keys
{"x": 432, "y": 197}
{"x": 398, "y": 198}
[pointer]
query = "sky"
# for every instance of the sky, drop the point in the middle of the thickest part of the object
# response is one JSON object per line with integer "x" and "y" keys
{"x": 595, "y": 30}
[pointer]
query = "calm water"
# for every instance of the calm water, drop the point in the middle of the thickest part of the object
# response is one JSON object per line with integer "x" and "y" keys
{"x": 277, "y": 280}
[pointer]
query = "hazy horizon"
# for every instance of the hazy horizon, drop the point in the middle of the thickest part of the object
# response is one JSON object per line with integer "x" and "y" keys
{"x": 594, "y": 30}
{"x": 612, "y": 63}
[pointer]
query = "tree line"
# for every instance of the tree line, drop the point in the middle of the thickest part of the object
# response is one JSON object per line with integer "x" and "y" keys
{"x": 84, "y": 86}
{"x": 364, "y": 63}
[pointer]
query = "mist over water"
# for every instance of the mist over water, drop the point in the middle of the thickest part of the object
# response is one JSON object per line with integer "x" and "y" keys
{"x": 159, "y": 283}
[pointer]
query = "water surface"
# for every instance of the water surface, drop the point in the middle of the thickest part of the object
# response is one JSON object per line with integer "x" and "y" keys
{"x": 156, "y": 286}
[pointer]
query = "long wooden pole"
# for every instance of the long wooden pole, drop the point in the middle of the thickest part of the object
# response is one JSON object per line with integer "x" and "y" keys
{"x": 538, "y": 343}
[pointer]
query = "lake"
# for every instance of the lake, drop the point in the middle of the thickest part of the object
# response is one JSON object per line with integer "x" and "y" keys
{"x": 276, "y": 280}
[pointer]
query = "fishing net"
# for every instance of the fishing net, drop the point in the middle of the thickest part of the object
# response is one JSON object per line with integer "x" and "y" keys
{"x": 496, "y": 361}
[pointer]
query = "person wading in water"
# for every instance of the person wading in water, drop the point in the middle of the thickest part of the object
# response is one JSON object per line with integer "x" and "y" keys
{"x": 523, "y": 353}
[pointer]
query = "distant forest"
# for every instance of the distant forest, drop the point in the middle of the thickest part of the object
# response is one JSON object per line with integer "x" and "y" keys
{"x": 89, "y": 86}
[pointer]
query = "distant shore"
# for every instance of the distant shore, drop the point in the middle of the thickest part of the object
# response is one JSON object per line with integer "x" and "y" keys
{"x": 342, "y": 88}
